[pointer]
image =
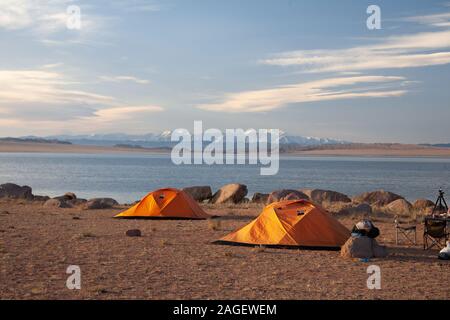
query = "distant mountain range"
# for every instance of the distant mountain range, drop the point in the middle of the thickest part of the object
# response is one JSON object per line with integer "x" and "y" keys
{"x": 163, "y": 139}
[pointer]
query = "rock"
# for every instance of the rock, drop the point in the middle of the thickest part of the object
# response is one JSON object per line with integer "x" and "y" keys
{"x": 230, "y": 193}
{"x": 260, "y": 197}
{"x": 423, "y": 205}
{"x": 65, "y": 201}
{"x": 56, "y": 203}
{"x": 363, "y": 248}
{"x": 379, "y": 197}
{"x": 361, "y": 209}
{"x": 100, "y": 203}
{"x": 327, "y": 196}
{"x": 286, "y": 194}
{"x": 70, "y": 196}
{"x": 199, "y": 193}
{"x": 41, "y": 198}
{"x": 133, "y": 233}
{"x": 399, "y": 206}
{"x": 77, "y": 202}
{"x": 378, "y": 250}
{"x": 14, "y": 191}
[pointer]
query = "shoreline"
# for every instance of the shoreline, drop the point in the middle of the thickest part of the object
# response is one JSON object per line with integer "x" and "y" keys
{"x": 369, "y": 151}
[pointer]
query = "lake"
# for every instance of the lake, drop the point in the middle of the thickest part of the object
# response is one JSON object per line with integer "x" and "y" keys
{"x": 128, "y": 177}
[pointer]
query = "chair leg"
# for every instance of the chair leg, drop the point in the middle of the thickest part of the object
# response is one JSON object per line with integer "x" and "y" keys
{"x": 415, "y": 237}
{"x": 396, "y": 236}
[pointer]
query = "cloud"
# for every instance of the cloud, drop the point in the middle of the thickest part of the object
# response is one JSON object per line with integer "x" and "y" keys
{"x": 52, "y": 65}
{"x": 320, "y": 90}
{"x": 395, "y": 52}
{"x": 46, "y": 99}
{"x": 16, "y": 14}
{"x": 39, "y": 86}
{"x": 138, "y": 6}
{"x": 436, "y": 20}
{"x": 46, "y": 20}
{"x": 124, "y": 113}
{"x": 123, "y": 78}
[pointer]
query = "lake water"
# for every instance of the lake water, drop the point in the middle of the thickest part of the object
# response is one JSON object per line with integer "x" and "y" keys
{"x": 128, "y": 177}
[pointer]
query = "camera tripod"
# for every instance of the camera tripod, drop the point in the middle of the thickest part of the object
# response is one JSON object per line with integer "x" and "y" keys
{"x": 440, "y": 203}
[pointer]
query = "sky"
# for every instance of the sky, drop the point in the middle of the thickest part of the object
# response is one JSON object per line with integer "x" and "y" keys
{"x": 309, "y": 68}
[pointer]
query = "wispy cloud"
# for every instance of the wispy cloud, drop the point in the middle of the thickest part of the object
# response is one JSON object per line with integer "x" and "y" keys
{"x": 320, "y": 90}
{"x": 123, "y": 113}
{"x": 138, "y": 5}
{"x": 436, "y": 20}
{"x": 45, "y": 97}
{"x": 123, "y": 78}
{"x": 43, "y": 87}
{"x": 395, "y": 52}
{"x": 52, "y": 65}
{"x": 46, "y": 20}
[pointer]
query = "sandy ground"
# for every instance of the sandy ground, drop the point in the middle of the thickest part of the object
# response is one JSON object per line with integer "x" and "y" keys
{"x": 176, "y": 260}
{"x": 396, "y": 150}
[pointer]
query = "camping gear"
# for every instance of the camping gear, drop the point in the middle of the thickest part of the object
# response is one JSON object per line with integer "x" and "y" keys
{"x": 435, "y": 232}
{"x": 363, "y": 247}
{"x": 166, "y": 203}
{"x": 407, "y": 231}
{"x": 444, "y": 254}
{"x": 291, "y": 224}
{"x": 366, "y": 228}
{"x": 440, "y": 207}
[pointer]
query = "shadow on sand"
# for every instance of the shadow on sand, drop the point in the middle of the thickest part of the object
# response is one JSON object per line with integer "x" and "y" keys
{"x": 412, "y": 254}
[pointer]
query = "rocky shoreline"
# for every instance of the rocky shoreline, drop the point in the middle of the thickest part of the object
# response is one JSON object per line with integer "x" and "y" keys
{"x": 378, "y": 201}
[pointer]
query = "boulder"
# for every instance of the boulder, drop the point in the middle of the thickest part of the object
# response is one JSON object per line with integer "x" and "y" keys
{"x": 41, "y": 198}
{"x": 363, "y": 248}
{"x": 327, "y": 196}
{"x": 362, "y": 209}
{"x": 286, "y": 194}
{"x": 100, "y": 203}
{"x": 230, "y": 193}
{"x": 133, "y": 233}
{"x": 199, "y": 193}
{"x": 14, "y": 191}
{"x": 56, "y": 203}
{"x": 379, "y": 197}
{"x": 260, "y": 197}
{"x": 423, "y": 205}
{"x": 64, "y": 202}
{"x": 77, "y": 202}
{"x": 399, "y": 206}
{"x": 70, "y": 196}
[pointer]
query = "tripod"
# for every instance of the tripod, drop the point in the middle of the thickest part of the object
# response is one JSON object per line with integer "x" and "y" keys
{"x": 440, "y": 203}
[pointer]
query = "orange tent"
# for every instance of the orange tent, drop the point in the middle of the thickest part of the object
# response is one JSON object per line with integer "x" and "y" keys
{"x": 291, "y": 223}
{"x": 166, "y": 204}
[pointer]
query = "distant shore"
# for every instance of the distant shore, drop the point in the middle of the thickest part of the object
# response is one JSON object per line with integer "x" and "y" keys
{"x": 362, "y": 150}
{"x": 31, "y": 147}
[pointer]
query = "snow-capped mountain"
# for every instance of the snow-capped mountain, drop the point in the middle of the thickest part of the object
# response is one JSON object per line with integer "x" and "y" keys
{"x": 164, "y": 139}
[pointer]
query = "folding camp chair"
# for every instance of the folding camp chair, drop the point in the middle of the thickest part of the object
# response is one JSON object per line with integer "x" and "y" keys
{"x": 408, "y": 231}
{"x": 435, "y": 233}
